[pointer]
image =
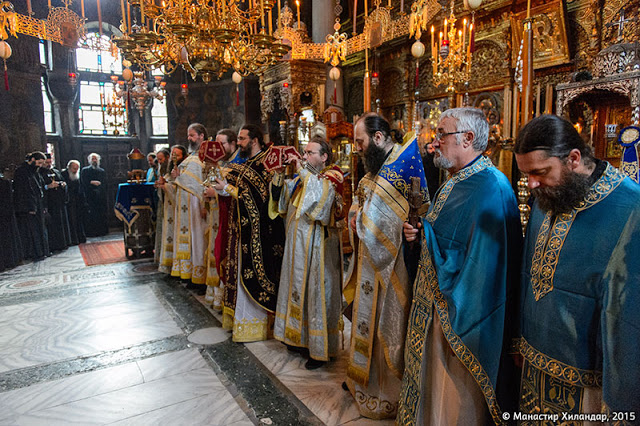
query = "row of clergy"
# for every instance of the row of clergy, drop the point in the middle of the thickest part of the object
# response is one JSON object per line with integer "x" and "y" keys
{"x": 454, "y": 319}
{"x": 56, "y": 209}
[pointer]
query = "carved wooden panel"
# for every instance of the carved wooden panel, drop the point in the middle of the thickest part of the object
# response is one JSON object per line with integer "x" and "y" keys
{"x": 489, "y": 67}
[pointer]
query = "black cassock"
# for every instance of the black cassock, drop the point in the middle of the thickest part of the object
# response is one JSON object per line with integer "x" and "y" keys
{"x": 56, "y": 202}
{"x": 95, "y": 217}
{"x": 76, "y": 206}
{"x": 10, "y": 243}
{"x": 29, "y": 205}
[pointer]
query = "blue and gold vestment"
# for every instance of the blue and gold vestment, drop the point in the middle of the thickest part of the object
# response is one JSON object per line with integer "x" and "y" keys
{"x": 468, "y": 274}
{"x": 581, "y": 301}
{"x": 378, "y": 284}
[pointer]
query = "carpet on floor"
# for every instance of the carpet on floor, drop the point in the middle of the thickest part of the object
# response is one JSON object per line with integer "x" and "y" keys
{"x": 103, "y": 252}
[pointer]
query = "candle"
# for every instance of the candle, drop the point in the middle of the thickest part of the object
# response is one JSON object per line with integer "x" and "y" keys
{"x": 129, "y": 17}
{"x": 355, "y": 16}
{"x": 445, "y": 28}
{"x": 434, "y": 51}
{"x": 49, "y": 3}
{"x": 124, "y": 17}
{"x": 366, "y": 13}
{"x": 29, "y": 7}
{"x": 99, "y": 17}
{"x": 270, "y": 24}
{"x": 279, "y": 13}
{"x": 464, "y": 32}
{"x": 82, "y": 7}
{"x": 298, "y": 5}
{"x": 262, "y": 13}
{"x": 141, "y": 11}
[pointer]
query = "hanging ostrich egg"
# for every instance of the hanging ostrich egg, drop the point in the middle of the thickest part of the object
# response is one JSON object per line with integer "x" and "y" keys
{"x": 472, "y": 4}
{"x": 417, "y": 50}
{"x": 334, "y": 73}
{"x": 127, "y": 74}
{"x": 5, "y": 50}
{"x": 236, "y": 77}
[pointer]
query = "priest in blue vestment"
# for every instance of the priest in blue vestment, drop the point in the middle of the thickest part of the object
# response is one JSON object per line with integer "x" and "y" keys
{"x": 580, "y": 279}
{"x": 457, "y": 364}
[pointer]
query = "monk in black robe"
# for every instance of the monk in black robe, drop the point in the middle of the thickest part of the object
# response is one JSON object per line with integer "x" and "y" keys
{"x": 76, "y": 204}
{"x": 28, "y": 189}
{"x": 55, "y": 197}
{"x": 93, "y": 180}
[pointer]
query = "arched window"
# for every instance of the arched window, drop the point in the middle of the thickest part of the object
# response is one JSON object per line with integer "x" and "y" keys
{"x": 100, "y": 112}
{"x": 48, "y": 111}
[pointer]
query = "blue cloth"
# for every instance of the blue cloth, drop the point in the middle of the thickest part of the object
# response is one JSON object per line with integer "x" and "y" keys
{"x": 132, "y": 197}
{"x": 468, "y": 273}
{"x": 408, "y": 164}
{"x": 581, "y": 312}
{"x": 152, "y": 175}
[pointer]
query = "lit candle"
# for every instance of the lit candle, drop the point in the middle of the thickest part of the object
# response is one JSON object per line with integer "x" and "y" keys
{"x": 433, "y": 49}
{"x": 298, "y": 5}
{"x": 469, "y": 48}
{"x": 464, "y": 32}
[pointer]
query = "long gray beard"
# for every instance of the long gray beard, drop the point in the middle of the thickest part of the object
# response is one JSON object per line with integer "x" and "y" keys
{"x": 193, "y": 147}
{"x": 74, "y": 176}
{"x": 95, "y": 166}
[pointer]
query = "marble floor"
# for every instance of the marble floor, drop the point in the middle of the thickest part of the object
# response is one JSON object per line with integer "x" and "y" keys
{"x": 122, "y": 344}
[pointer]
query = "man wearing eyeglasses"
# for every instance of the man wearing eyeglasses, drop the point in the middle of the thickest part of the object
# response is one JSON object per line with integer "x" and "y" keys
{"x": 310, "y": 293}
{"x": 378, "y": 285}
{"x": 580, "y": 278}
{"x": 457, "y": 370}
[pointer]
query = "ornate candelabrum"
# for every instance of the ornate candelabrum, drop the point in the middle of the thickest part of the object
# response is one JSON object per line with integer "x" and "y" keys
{"x": 115, "y": 107}
{"x": 205, "y": 37}
{"x": 451, "y": 54}
{"x": 137, "y": 89}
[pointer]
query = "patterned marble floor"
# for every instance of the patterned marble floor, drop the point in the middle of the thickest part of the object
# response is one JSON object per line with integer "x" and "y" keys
{"x": 111, "y": 344}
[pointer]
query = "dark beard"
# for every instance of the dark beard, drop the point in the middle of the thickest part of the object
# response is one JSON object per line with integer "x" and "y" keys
{"x": 193, "y": 146}
{"x": 245, "y": 151}
{"x": 565, "y": 197}
{"x": 374, "y": 158}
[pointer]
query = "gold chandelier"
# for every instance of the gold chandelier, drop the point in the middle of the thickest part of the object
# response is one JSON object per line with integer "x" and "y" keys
{"x": 205, "y": 37}
{"x": 451, "y": 53}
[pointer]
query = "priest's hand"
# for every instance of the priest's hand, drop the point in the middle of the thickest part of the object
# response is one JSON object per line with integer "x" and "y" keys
{"x": 95, "y": 183}
{"x": 410, "y": 233}
{"x": 294, "y": 161}
{"x": 220, "y": 184}
{"x": 210, "y": 192}
{"x": 53, "y": 185}
{"x": 203, "y": 213}
{"x": 352, "y": 222}
{"x": 175, "y": 172}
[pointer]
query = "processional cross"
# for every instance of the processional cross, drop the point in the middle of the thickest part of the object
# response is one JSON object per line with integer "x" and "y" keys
{"x": 620, "y": 24}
